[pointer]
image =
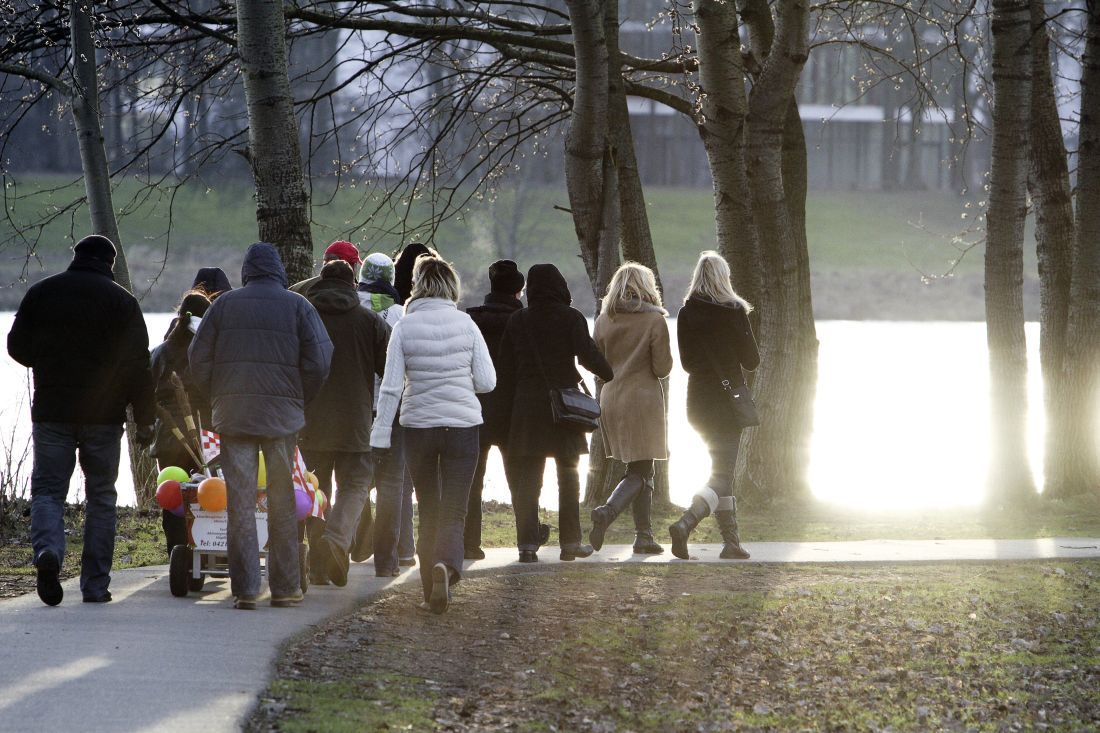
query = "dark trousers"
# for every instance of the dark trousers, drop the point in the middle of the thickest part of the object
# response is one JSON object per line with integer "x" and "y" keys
{"x": 388, "y": 528}
{"x": 406, "y": 540}
{"x": 57, "y": 447}
{"x": 471, "y": 537}
{"x": 175, "y": 527}
{"x": 525, "y": 481}
{"x": 354, "y": 474}
{"x": 723, "y": 458}
{"x": 240, "y": 462}
{"x": 442, "y": 462}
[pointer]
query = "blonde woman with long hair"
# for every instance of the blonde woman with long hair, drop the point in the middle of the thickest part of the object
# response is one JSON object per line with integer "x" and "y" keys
{"x": 716, "y": 343}
{"x": 632, "y": 333}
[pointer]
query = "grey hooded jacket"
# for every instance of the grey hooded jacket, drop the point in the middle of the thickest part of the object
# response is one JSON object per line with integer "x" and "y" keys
{"x": 261, "y": 352}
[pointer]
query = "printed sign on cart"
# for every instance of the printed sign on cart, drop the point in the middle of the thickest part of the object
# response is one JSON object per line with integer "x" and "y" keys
{"x": 210, "y": 530}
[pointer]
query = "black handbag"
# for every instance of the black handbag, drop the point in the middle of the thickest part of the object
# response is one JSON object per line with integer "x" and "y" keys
{"x": 569, "y": 406}
{"x": 742, "y": 407}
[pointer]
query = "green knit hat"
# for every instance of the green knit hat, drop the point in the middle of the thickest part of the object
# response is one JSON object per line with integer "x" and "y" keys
{"x": 377, "y": 267}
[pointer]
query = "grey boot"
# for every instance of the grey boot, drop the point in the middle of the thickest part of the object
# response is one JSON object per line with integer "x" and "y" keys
{"x": 620, "y": 499}
{"x": 644, "y": 543}
{"x": 700, "y": 509}
{"x": 727, "y": 525}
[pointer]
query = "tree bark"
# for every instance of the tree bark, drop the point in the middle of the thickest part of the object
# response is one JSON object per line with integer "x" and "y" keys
{"x": 590, "y": 172}
{"x": 97, "y": 187}
{"x": 1009, "y": 476}
{"x": 721, "y": 127}
{"x": 1048, "y": 185}
{"x": 1079, "y": 467}
{"x": 775, "y": 454}
{"x": 282, "y": 203}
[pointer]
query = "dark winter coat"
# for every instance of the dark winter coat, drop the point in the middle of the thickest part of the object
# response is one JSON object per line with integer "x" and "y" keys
{"x": 261, "y": 352}
{"x": 560, "y": 333}
{"x": 168, "y": 358}
{"x": 85, "y": 339}
{"x": 724, "y": 331}
{"x": 339, "y": 419}
{"x": 496, "y": 408}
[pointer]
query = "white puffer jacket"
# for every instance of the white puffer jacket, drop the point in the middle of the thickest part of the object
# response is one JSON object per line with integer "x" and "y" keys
{"x": 436, "y": 364}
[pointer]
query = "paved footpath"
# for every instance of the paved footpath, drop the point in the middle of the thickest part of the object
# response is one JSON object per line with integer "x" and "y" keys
{"x": 151, "y": 662}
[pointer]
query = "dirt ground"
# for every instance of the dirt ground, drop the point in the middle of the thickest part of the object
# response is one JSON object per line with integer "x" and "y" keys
{"x": 704, "y": 648}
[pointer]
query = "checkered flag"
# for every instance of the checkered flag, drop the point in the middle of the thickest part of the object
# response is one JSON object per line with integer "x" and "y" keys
{"x": 211, "y": 446}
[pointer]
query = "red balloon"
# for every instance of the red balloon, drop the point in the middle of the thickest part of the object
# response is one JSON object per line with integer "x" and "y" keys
{"x": 170, "y": 496}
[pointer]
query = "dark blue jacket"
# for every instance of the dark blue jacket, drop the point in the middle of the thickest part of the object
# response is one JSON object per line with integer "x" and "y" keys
{"x": 261, "y": 352}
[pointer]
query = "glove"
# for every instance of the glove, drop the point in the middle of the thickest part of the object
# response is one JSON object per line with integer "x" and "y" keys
{"x": 144, "y": 435}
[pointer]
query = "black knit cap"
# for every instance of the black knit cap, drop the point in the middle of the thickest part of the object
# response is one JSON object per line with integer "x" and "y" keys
{"x": 97, "y": 247}
{"x": 505, "y": 277}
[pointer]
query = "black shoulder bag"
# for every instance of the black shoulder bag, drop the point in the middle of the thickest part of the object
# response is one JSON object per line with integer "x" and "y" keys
{"x": 570, "y": 407}
{"x": 742, "y": 407}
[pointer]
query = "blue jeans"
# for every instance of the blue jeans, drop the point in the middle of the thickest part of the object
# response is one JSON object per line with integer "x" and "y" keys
{"x": 240, "y": 462}
{"x": 442, "y": 462}
{"x": 388, "y": 526}
{"x": 56, "y": 447}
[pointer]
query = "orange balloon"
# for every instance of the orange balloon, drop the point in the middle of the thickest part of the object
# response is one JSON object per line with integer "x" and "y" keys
{"x": 212, "y": 495}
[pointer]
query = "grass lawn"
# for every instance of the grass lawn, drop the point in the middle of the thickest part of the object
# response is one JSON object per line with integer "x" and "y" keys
{"x": 980, "y": 646}
{"x": 863, "y": 246}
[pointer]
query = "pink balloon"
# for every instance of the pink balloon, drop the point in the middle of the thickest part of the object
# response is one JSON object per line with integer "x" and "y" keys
{"x": 303, "y": 504}
{"x": 178, "y": 511}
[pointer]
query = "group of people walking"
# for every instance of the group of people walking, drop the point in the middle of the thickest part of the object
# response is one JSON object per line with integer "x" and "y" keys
{"x": 383, "y": 383}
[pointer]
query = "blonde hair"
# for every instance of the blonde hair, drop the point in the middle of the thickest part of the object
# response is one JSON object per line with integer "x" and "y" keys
{"x": 631, "y": 282}
{"x": 711, "y": 281}
{"x": 434, "y": 277}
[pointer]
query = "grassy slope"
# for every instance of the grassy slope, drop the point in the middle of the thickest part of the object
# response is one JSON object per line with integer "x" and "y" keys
{"x": 654, "y": 648}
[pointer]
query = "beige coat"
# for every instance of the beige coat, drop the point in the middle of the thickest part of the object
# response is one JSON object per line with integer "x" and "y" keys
{"x": 633, "y": 405}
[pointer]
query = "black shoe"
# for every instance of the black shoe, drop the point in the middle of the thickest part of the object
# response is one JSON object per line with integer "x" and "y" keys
{"x": 623, "y": 496}
{"x": 731, "y": 537}
{"x": 362, "y": 544}
{"x": 600, "y": 522}
{"x": 441, "y": 593}
{"x": 104, "y": 597}
{"x": 49, "y": 584}
{"x": 681, "y": 529}
{"x": 573, "y": 551}
{"x": 528, "y": 556}
{"x": 474, "y": 553}
{"x": 334, "y": 561}
{"x": 644, "y": 544}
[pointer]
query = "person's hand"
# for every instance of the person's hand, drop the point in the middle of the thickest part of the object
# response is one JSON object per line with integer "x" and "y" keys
{"x": 144, "y": 435}
{"x": 379, "y": 455}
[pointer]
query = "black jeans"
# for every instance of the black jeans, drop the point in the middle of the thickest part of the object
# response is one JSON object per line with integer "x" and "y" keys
{"x": 56, "y": 448}
{"x": 442, "y": 462}
{"x": 723, "y": 458}
{"x": 388, "y": 528}
{"x": 354, "y": 472}
{"x": 471, "y": 537}
{"x": 525, "y": 481}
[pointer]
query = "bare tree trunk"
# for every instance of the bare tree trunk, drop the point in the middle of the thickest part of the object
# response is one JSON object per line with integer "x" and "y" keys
{"x": 775, "y": 454}
{"x": 1009, "y": 475}
{"x": 282, "y": 204}
{"x": 1079, "y": 468}
{"x": 722, "y": 129}
{"x": 97, "y": 187}
{"x": 590, "y": 174}
{"x": 1048, "y": 185}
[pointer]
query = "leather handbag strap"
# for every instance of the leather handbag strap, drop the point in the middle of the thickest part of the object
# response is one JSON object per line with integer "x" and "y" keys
{"x": 726, "y": 383}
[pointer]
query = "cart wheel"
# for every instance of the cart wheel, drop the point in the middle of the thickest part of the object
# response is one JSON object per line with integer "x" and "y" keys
{"x": 179, "y": 570}
{"x": 194, "y": 584}
{"x": 303, "y": 565}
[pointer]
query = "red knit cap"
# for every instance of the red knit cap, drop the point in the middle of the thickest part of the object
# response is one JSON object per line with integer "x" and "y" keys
{"x": 341, "y": 250}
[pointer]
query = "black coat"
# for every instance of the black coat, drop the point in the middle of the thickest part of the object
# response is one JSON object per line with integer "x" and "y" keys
{"x": 560, "y": 333}
{"x": 704, "y": 327}
{"x": 261, "y": 352}
{"x": 339, "y": 419}
{"x": 85, "y": 339}
{"x": 168, "y": 358}
{"x": 496, "y": 408}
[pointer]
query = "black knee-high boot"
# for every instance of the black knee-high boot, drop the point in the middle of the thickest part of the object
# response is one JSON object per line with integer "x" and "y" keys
{"x": 727, "y": 525}
{"x": 698, "y": 511}
{"x": 620, "y": 499}
{"x": 644, "y": 543}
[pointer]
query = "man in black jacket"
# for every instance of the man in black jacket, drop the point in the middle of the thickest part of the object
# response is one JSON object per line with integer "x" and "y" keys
{"x": 505, "y": 286}
{"x": 260, "y": 354}
{"x": 338, "y": 422}
{"x": 85, "y": 339}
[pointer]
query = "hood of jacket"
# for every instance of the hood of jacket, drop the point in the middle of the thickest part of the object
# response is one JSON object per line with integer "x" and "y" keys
{"x": 262, "y": 262}
{"x": 87, "y": 263}
{"x": 545, "y": 284}
{"x": 212, "y": 279}
{"x": 329, "y": 295}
